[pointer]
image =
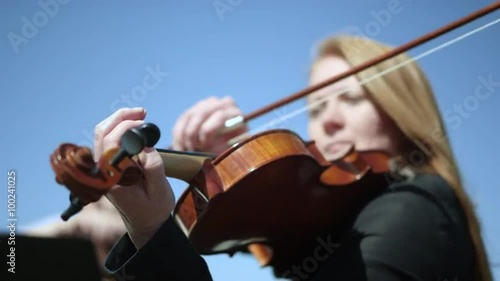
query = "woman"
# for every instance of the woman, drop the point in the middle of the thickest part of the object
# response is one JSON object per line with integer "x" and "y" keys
{"x": 423, "y": 227}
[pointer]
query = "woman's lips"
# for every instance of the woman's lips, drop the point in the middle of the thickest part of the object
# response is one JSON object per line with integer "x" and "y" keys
{"x": 336, "y": 149}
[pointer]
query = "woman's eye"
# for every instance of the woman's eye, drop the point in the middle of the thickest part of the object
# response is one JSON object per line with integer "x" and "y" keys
{"x": 313, "y": 111}
{"x": 316, "y": 109}
{"x": 351, "y": 97}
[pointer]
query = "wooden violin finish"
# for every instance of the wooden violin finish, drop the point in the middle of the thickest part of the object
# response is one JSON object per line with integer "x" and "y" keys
{"x": 274, "y": 189}
{"x": 266, "y": 192}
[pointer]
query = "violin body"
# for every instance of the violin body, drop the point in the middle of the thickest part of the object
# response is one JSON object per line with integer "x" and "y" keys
{"x": 275, "y": 189}
{"x": 262, "y": 195}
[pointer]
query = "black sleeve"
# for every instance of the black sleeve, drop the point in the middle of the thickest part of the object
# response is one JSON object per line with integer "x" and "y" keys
{"x": 402, "y": 235}
{"x": 167, "y": 256}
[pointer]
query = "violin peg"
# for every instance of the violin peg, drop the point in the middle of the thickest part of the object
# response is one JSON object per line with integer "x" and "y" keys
{"x": 76, "y": 205}
{"x": 134, "y": 140}
{"x": 151, "y": 134}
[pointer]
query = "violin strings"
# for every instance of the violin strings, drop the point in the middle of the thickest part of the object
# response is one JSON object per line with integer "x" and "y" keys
{"x": 292, "y": 114}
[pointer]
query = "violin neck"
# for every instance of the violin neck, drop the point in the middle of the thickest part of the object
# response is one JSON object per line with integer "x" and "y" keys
{"x": 182, "y": 165}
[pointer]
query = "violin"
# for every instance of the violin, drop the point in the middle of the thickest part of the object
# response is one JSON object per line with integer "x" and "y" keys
{"x": 244, "y": 197}
{"x": 266, "y": 192}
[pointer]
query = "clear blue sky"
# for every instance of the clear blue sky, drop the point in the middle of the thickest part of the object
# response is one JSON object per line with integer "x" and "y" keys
{"x": 74, "y": 69}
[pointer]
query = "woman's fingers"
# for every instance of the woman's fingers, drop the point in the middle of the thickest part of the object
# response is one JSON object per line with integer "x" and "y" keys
{"x": 145, "y": 205}
{"x": 182, "y": 129}
{"x": 112, "y": 139}
{"x": 192, "y": 132}
{"x": 149, "y": 158}
{"x": 207, "y": 133}
{"x": 210, "y": 134}
{"x": 191, "y": 137}
{"x": 154, "y": 170}
{"x": 107, "y": 125}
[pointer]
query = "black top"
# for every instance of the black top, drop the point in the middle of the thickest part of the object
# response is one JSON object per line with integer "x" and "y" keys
{"x": 413, "y": 231}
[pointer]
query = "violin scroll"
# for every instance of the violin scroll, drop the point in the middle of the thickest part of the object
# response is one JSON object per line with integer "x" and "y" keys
{"x": 88, "y": 180}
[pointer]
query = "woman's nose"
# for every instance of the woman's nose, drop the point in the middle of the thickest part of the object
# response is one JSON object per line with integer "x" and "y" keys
{"x": 332, "y": 119}
{"x": 331, "y": 125}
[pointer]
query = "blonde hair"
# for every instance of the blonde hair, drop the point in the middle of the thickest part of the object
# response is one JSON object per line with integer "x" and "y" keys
{"x": 406, "y": 97}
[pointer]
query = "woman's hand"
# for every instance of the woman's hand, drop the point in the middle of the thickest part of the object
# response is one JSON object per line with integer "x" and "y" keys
{"x": 199, "y": 128}
{"x": 145, "y": 206}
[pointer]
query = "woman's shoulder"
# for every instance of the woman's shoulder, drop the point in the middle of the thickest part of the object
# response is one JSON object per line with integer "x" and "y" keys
{"x": 413, "y": 230}
{"x": 416, "y": 226}
{"x": 431, "y": 190}
{"x": 431, "y": 185}
{"x": 426, "y": 200}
